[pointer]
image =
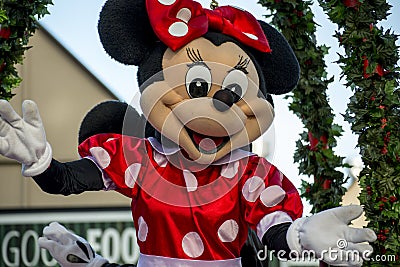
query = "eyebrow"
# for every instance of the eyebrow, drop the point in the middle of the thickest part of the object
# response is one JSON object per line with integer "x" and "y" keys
{"x": 242, "y": 64}
{"x": 195, "y": 57}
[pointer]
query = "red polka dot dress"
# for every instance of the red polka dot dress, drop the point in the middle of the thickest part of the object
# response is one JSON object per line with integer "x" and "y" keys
{"x": 187, "y": 214}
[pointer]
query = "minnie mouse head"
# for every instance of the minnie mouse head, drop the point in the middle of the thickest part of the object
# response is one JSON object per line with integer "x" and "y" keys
{"x": 205, "y": 75}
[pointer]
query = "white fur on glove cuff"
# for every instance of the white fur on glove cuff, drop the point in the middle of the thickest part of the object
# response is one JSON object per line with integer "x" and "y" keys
{"x": 24, "y": 139}
{"x": 328, "y": 235}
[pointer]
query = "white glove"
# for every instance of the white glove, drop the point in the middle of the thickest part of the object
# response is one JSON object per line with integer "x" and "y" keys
{"x": 68, "y": 249}
{"x": 24, "y": 139}
{"x": 328, "y": 235}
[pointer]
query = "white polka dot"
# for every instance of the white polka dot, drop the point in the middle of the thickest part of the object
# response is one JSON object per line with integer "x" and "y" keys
{"x": 190, "y": 180}
{"x": 230, "y": 170}
{"x": 184, "y": 14}
{"x": 131, "y": 174}
{"x": 160, "y": 159}
{"x": 192, "y": 245}
{"x": 178, "y": 29}
{"x": 167, "y": 2}
{"x": 110, "y": 139}
{"x": 101, "y": 155}
{"x": 272, "y": 195}
{"x": 253, "y": 188}
{"x": 228, "y": 231}
{"x": 143, "y": 229}
{"x": 251, "y": 36}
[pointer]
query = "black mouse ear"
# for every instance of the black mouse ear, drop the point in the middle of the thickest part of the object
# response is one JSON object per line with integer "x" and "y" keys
{"x": 125, "y": 30}
{"x": 109, "y": 117}
{"x": 280, "y": 68}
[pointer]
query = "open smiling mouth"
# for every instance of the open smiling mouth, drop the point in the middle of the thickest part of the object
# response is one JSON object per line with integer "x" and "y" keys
{"x": 207, "y": 144}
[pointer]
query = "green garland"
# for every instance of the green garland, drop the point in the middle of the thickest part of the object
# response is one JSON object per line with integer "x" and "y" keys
{"x": 17, "y": 25}
{"x": 370, "y": 67}
{"x": 314, "y": 150}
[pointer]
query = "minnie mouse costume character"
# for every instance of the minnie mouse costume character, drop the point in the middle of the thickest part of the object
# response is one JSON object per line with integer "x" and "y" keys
{"x": 205, "y": 78}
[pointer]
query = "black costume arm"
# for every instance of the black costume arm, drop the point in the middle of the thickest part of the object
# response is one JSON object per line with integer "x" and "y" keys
{"x": 275, "y": 239}
{"x": 253, "y": 252}
{"x": 70, "y": 178}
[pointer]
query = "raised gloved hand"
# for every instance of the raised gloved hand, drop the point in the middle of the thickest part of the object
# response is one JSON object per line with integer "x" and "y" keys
{"x": 69, "y": 249}
{"x": 328, "y": 235}
{"x": 24, "y": 139}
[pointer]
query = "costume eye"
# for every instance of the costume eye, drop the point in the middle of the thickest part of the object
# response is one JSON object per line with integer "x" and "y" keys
{"x": 236, "y": 81}
{"x": 198, "y": 80}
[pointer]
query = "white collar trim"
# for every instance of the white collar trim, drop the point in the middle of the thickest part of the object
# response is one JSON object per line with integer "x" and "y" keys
{"x": 167, "y": 149}
{"x": 172, "y": 148}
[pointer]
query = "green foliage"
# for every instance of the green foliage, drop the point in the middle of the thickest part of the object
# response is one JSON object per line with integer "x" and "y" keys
{"x": 314, "y": 150}
{"x": 370, "y": 67}
{"x": 17, "y": 25}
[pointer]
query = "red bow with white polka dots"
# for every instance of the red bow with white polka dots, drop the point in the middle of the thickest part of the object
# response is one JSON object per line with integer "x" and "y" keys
{"x": 177, "y": 22}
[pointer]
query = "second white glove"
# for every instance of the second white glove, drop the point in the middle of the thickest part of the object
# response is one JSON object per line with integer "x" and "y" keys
{"x": 328, "y": 235}
{"x": 68, "y": 249}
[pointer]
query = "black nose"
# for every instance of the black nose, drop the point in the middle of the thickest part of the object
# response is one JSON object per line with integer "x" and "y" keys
{"x": 223, "y": 100}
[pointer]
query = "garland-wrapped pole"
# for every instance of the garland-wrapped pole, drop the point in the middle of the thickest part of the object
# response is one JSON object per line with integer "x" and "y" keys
{"x": 315, "y": 148}
{"x": 17, "y": 25}
{"x": 370, "y": 67}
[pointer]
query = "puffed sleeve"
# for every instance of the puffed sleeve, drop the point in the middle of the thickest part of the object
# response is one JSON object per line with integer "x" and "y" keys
{"x": 268, "y": 197}
{"x": 121, "y": 159}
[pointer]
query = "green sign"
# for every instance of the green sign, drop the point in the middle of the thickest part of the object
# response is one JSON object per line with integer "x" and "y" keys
{"x": 110, "y": 233}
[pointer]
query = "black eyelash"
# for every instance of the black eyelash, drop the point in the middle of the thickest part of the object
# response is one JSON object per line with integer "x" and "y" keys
{"x": 194, "y": 55}
{"x": 242, "y": 64}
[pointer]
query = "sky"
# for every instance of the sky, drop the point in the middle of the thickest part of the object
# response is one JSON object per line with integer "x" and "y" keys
{"x": 74, "y": 24}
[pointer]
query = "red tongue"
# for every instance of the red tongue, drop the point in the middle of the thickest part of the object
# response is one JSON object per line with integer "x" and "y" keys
{"x": 207, "y": 143}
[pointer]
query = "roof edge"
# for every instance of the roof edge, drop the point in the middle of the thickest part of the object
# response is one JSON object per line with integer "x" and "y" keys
{"x": 59, "y": 44}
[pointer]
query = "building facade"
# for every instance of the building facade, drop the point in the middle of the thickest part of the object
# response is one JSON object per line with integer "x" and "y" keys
{"x": 64, "y": 91}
